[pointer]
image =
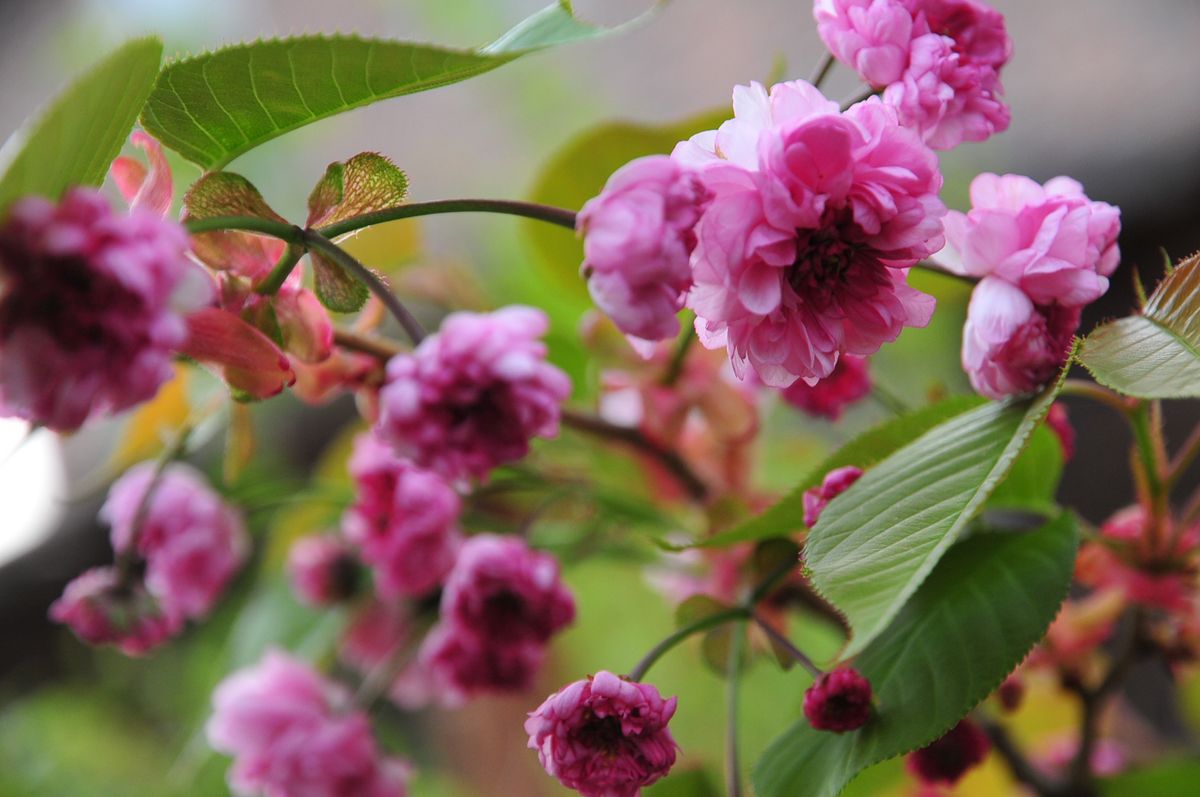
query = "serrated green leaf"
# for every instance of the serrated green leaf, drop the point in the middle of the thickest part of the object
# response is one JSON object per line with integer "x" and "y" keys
{"x": 335, "y": 287}
{"x": 365, "y": 183}
{"x": 876, "y": 542}
{"x": 1033, "y": 481}
{"x": 226, "y": 194}
{"x": 787, "y": 515}
{"x": 1155, "y": 355}
{"x": 214, "y": 107}
{"x": 975, "y": 618}
{"x": 75, "y": 139}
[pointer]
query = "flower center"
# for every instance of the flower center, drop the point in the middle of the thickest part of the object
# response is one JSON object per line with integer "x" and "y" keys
{"x": 503, "y": 608}
{"x": 602, "y": 733}
{"x": 823, "y": 260}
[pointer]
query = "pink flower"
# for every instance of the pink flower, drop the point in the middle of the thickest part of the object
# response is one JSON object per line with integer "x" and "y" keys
{"x": 797, "y": 266}
{"x": 1128, "y": 556}
{"x": 604, "y": 736}
{"x": 1011, "y": 346}
{"x": 404, "y": 520}
{"x": 977, "y": 29}
{"x": 376, "y": 633}
{"x": 191, "y": 541}
{"x": 461, "y": 663}
{"x": 870, "y": 36}
{"x": 100, "y": 610}
{"x": 836, "y": 482}
{"x": 838, "y": 701}
{"x": 847, "y": 384}
{"x": 949, "y": 758}
{"x": 503, "y": 590}
{"x": 637, "y": 238}
{"x": 1049, "y": 240}
{"x": 322, "y": 570}
{"x": 153, "y": 188}
{"x": 946, "y": 97}
{"x": 472, "y": 396}
{"x": 87, "y": 323}
{"x": 291, "y": 732}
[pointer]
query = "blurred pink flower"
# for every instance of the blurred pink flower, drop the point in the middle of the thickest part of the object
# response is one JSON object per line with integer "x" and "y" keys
{"x": 503, "y": 590}
{"x": 91, "y": 307}
{"x": 101, "y": 610}
{"x": 1011, "y": 346}
{"x": 404, "y": 519}
{"x": 848, "y": 384}
{"x": 152, "y": 189}
{"x": 836, "y": 482}
{"x": 191, "y": 541}
{"x": 797, "y": 266}
{"x": 946, "y": 760}
{"x": 473, "y": 395}
{"x": 291, "y": 732}
{"x": 322, "y": 569}
{"x": 870, "y": 36}
{"x": 637, "y": 238}
{"x": 460, "y": 663}
{"x": 604, "y": 736}
{"x": 977, "y": 29}
{"x": 1049, "y": 240}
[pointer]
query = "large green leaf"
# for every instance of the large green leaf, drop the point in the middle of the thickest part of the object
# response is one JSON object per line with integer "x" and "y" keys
{"x": 1154, "y": 355}
{"x": 963, "y": 632}
{"x": 876, "y": 542}
{"x": 78, "y": 135}
{"x": 211, "y": 108}
{"x": 787, "y": 515}
{"x": 1033, "y": 481}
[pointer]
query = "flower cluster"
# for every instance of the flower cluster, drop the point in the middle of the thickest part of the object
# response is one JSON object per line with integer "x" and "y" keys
{"x": 188, "y": 543}
{"x": 291, "y": 732}
{"x": 1041, "y": 253}
{"x": 937, "y": 62}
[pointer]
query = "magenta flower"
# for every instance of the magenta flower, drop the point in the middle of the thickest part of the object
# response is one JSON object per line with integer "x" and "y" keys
{"x": 101, "y": 610}
{"x": 836, "y": 482}
{"x": 192, "y": 542}
{"x": 848, "y": 384}
{"x": 1012, "y": 347}
{"x": 291, "y": 732}
{"x": 404, "y": 520}
{"x": 90, "y": 307}
{"x": 838, "y": 701}
{"x": 797, "y": 266}
{"x": 637, "y": 238}
{"x": 1049, "y": 240}
{"x": 949, "y": 758}
{"x": 460, "y": 663}
{"x": 322, "y": 569}
{"x": 472, "y": 396}
{"x": 977, "y": 29}
{"x": 604, "y": 736}
{"x": 872, "y": 37}
{"x": 505, "y": 591}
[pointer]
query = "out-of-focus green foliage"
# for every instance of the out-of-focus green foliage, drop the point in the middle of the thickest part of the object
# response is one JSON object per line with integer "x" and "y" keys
{"x": 988, "y": 602}
{"x": 79, "y": 134}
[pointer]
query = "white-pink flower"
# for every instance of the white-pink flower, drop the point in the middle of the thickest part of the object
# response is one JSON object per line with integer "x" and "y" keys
{"x": 637, "y": 238}
{"x": 870, "y": 36}
{"x": 802, "y": 257}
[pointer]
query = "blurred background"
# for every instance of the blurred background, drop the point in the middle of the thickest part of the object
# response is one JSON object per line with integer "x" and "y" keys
{"x": 1100, "y": 90}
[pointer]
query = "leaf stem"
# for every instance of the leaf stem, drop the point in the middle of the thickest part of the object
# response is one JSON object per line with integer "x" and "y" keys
{"x": 274, "y": 280}
{"x": 1184, "y": 457}
{"x": 318, "y": 242}
{"x": 786, "y": 644}
{"x": 275, "y": 229}
{"x": 703, "y": 624}
{"x": 382, "y": 348}
{"x": 1097, "y": 393}
{"x": 127, "y": 557}
{"x": 866, "y": 93}
{"x": 679, "y": 356}
{"x": 530, "y": 210}
{"x": 733, "y": 770}
{"x": 669, "y": 459}
{"x": 822, "y": 70}
{"x": 937, "y": 268}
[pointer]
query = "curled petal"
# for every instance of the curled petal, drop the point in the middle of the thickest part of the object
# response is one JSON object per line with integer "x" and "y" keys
{"x": 244, "y": 357}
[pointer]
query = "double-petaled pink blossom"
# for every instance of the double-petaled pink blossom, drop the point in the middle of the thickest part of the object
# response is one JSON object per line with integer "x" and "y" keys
{"x": 404, "y": 520}
{"x": 872, "y": 37}
{"x": 473, "y": 395}
{"x": 604, "y": 736}
{"x": 291, "y": 732}
{"x": 848, "y": 384}
{"x": 322, "y": 569}
{"x": 102, "y": 610}
{"x": 1043, "y": 252}
{"x": 91, "y": 305}
{"x": 802, "y": 256}
{"x": 191, "y": 541}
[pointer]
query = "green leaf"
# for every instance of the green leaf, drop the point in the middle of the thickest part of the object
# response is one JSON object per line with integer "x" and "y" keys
{"x": 1154, "y": 355}
{"x": 226, "y": 194}
{"x": 697, "y": 608}
{"x": 1176, "y": 778}
{"x": 365, "y": 183}
{"x": 211, "y": 108}
{"x": 963, "y": 632}
{"x": 787, "y": 515}
{"x": 1033, "y": 481}
{"x": 335, "y": 287}
{"x": 876, "y": 542}
{"x": 75, "y": 140}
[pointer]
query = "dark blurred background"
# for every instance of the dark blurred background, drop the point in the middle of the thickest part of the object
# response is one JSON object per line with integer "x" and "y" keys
{"x": 1101, "y": 90}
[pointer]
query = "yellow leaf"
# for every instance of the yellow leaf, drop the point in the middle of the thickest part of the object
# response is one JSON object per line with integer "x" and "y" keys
{"x": 386, "y": 247}
{"x": 239, "y": 441}
{"x": 154, "y": 422}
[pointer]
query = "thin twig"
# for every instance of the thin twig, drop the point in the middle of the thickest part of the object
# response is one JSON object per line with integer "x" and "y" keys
{"x": 375, "y": 346}
{"x": 127, "y": 558}
{"x": 822, "y": 70}
{"x": 1018, "y": 764}
{"x": 1097, "y": 393}
{"x": 1184, "y": 457}
{"x": 866, "y": 93}
{"x": 703, "y": 624}
{"x": 669, "y": 459}
{"x": 733, "y": 770}
{"x": 783, "y": 642}
{"x": 530, "y": 210}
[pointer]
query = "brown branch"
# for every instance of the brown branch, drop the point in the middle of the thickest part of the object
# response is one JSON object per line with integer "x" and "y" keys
{"x": 1020, "y": 766}
{"x": 375, "y": 346}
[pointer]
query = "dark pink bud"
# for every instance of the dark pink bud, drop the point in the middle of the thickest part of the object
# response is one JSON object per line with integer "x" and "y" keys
{"x": 1011, "y": 693}
{"x": 838, "y": 701}
{"x": 949, "y": 758}
{"x": 847, "y": 384}
{"x": 836, "y": 482}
